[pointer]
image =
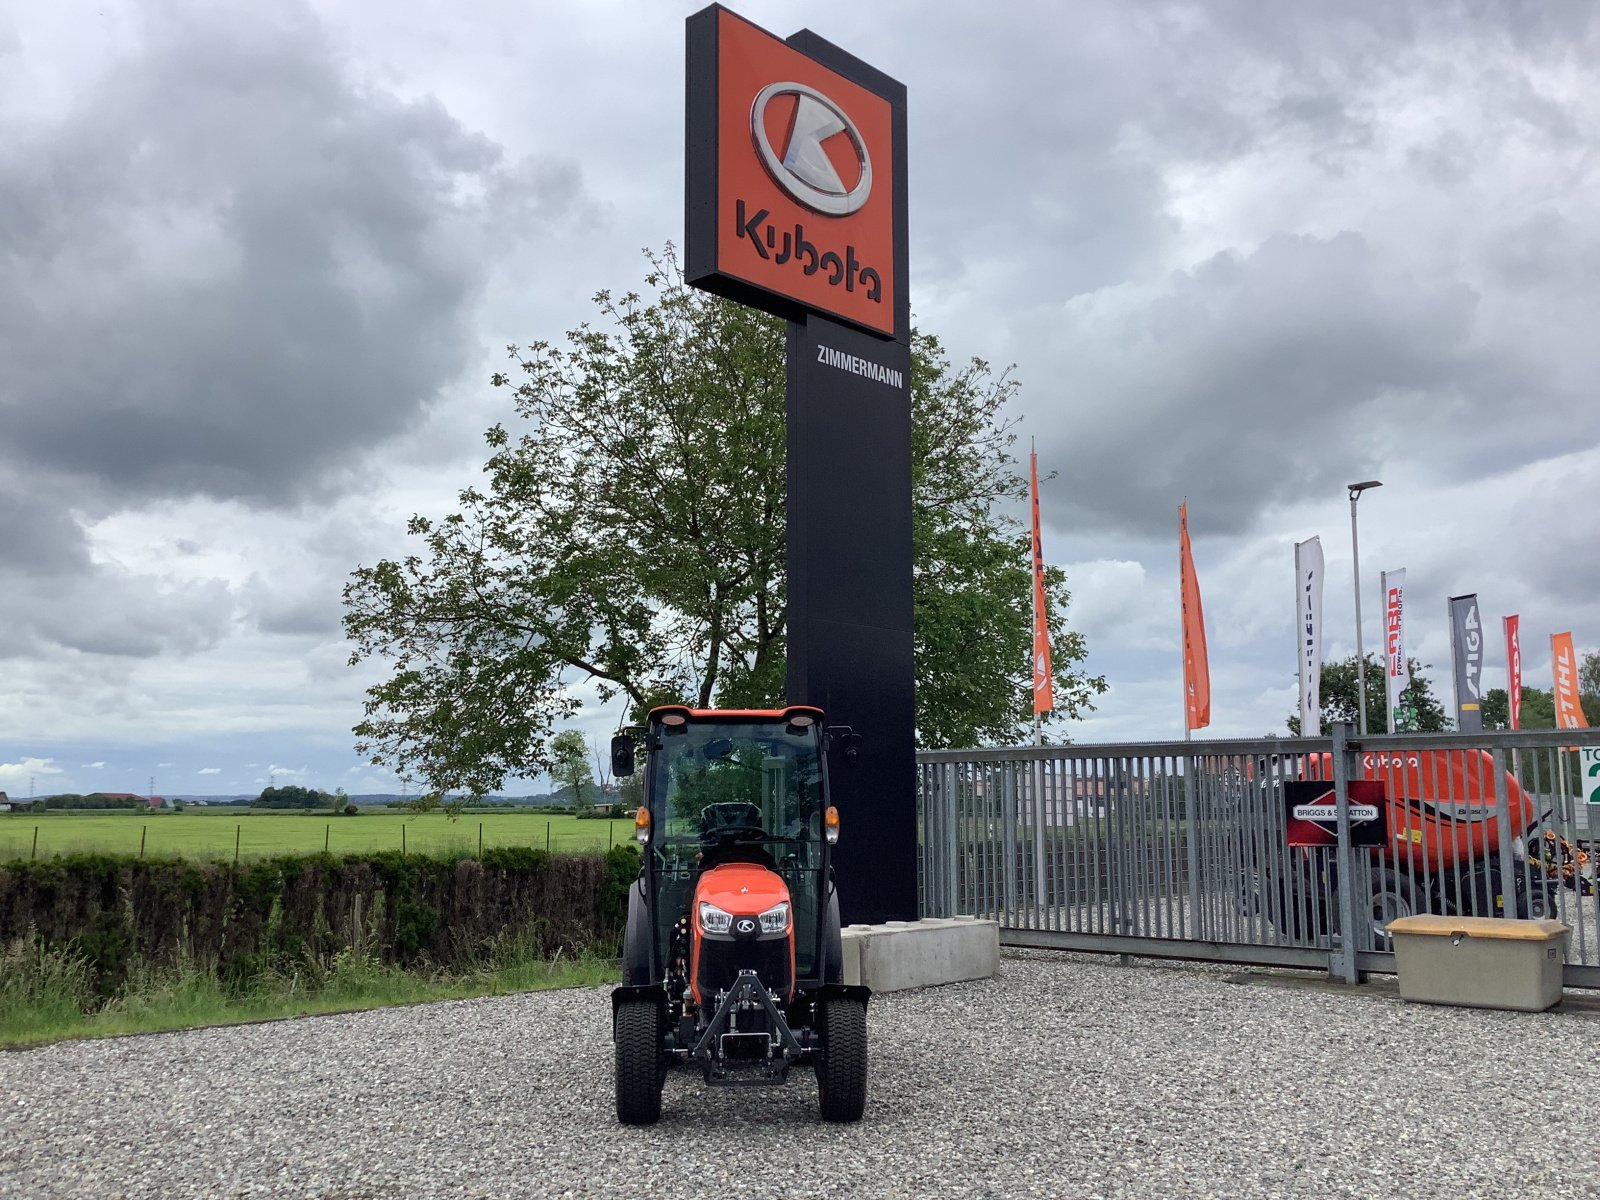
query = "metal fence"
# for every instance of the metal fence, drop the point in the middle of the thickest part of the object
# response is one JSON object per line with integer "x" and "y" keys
{"x": 1180, "y": 849}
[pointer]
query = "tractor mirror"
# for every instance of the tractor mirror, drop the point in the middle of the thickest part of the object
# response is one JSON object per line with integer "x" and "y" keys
{"x": 848, "y": 741}
{"x": 622, "y": 755}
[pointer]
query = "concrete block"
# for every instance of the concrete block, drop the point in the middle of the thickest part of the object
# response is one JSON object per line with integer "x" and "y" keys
{"x": 913, "y": 954}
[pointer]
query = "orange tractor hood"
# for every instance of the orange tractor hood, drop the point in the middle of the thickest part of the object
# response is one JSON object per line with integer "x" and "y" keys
{"x": 742, "y": 889}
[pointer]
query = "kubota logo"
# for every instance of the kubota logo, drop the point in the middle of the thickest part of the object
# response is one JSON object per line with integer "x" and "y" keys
{"x": 835, "y": 184}
{"x": 745, "y": 925}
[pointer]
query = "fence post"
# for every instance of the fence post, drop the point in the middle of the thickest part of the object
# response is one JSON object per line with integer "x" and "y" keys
{"x": 35, "y": 853}
{"x": 143, "y": 829}
{"x": 327, "y": 832}
{"x": 1191, "y": 841}
{"x": 952, "y": 840}
{"x": 480, "y": 839}
{"x": 237, "y": 830}
{"x": 1037, "y": 775}
{"x": 1342, "y": 958}
{"x": 1008, "y": 841}
{"x": 1505, "y": 903}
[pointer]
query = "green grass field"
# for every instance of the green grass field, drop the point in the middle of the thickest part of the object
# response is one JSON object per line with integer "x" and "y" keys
{"x": 211, "y": 833}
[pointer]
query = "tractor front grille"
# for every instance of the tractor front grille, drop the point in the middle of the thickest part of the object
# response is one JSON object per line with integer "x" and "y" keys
{"x": 721, "y": 960}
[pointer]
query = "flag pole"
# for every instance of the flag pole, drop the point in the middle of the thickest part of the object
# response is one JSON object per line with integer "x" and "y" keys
{"x": 1183, "y": 631}
{"x": 1033, "y": 656}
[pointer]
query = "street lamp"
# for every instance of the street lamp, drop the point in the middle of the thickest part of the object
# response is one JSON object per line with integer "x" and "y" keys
{"x": 1355, "y": 558}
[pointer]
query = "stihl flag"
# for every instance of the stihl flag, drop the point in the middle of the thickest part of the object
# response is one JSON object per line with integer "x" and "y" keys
{"x": 1569, "y": 710}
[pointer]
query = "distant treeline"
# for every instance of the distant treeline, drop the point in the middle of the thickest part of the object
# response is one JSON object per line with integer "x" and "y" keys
{"x": 92, "y": 800}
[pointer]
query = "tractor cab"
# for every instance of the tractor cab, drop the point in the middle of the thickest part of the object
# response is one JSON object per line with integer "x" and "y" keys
{"x": 732, "y": 957}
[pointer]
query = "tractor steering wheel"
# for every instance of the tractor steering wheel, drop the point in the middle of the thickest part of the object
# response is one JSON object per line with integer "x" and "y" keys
{"x": 733, "y": 833}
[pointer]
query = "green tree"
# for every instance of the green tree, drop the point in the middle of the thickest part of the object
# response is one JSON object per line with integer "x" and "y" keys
{"x": 292, "y": 796}
{"x": 632, "y": 535}
{"x": 1341, "y": 699}
{"x": 1538, "y": 709}
{"x": 571, "y": 765}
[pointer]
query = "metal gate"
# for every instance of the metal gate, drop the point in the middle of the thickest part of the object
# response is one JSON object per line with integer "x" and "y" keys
{"x": 1179, "y": 849}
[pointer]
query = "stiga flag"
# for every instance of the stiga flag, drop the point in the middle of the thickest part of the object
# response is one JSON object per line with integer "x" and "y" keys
{"x": 1044, "y": 690}
{"x": 1466, "y": 645}
{"x": 1569, "y": 711}
{"x": 1395, "y": 668}
{"x": 1196, "y": 671}
{"x": 1513, "y": 669}
{"x": 1308, "y": 632}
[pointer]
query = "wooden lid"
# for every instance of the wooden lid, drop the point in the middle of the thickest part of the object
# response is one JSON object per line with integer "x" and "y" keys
{"x": 1503, "y": 928}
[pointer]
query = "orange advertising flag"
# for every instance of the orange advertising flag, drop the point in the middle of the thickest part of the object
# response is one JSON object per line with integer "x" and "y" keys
{"x": 1196, "y": 670}
{"x": 1569, "y": 710}
{"x": 1044, "y": 690}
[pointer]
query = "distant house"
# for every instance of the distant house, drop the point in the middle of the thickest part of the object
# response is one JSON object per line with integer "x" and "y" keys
{"x": 6, "y": 805}
{"x": 146, "y": 801}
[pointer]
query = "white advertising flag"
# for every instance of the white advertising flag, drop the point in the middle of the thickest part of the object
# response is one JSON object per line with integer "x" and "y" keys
{"x": 1308, "y": 632}
{"x": 1394, "y": 640}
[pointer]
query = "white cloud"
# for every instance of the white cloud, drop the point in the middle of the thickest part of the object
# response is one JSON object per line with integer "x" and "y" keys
{"x": 21, "y": 773}
{"x": 209, "y": 771}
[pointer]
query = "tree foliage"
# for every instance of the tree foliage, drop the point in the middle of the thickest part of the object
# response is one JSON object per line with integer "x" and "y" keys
{"x": 631, "y": 533}
{"x": 1341, "y": 699}
{"x": 571, "y": 764}
{"x": 295, "y": 796}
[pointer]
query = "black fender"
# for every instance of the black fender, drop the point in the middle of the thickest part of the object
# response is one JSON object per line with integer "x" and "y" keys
{"x": 655, "y": 993}
{"x": 843, "y": 991}
{"x": 638, "y": 963}
{"x": 832, "y": 939}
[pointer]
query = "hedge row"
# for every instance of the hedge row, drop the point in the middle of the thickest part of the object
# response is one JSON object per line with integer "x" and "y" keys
{"x": 240, "y": 919}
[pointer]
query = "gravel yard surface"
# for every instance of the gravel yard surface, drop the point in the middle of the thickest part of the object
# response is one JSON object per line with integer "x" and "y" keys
{"x": 1064, "y": 1076}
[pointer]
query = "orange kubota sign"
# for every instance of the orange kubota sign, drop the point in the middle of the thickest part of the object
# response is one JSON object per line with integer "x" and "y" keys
{"x": 792, "y": 179}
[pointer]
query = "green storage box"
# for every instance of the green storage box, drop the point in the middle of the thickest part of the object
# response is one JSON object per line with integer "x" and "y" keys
{"x": 1480, "y": 962}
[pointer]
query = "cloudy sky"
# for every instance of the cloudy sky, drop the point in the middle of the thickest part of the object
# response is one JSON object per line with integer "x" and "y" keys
{"x": 258, "y": 261}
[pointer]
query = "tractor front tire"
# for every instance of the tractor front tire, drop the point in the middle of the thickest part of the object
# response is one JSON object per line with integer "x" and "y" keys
{"x": 842, "y": 1063}
{"x": 639, "y": 1063}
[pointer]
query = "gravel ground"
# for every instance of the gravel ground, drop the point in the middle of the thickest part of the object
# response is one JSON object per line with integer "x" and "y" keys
{"x": 1064, "y": 1076}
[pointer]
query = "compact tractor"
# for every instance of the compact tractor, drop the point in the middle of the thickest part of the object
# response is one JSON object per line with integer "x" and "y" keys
{"x": 731, "y": 958}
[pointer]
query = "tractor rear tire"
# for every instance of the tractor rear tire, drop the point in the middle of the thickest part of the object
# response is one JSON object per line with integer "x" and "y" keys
{"x": 842, "y": 1062}
{"x": 640, "y": 1073}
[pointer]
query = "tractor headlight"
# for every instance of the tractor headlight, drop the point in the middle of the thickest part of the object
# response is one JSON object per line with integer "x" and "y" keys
{"x": 775, "y": 919}
{"x": 713, "y": 919}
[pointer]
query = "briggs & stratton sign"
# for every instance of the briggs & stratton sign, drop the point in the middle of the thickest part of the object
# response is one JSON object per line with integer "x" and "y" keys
{"x": 1311, "y": 815}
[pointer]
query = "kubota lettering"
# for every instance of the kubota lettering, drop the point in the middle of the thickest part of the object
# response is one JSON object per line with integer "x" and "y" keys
{"x": 781, "y": 247}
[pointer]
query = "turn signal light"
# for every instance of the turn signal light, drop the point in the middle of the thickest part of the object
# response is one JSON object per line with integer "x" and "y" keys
{"x": 641, "y": 825}
{"x": 830, "y": 825}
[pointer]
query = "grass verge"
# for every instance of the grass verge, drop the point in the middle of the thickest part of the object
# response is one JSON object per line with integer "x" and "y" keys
{"x": 46, "y": 994}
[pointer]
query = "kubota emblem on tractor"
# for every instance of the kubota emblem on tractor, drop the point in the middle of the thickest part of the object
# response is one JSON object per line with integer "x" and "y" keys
{"x": 732, "y": 958}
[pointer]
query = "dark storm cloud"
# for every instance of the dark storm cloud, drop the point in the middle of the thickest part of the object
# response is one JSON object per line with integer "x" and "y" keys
{"x": 230, "y": 267}
{"x": 1255, "y": 379}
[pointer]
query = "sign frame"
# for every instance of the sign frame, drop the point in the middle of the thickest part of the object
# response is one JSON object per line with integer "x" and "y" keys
{"x": 710, "y": 218}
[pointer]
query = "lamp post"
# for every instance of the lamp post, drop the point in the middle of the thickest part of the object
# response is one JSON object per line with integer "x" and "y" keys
{"x": 1355, "y": 559}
